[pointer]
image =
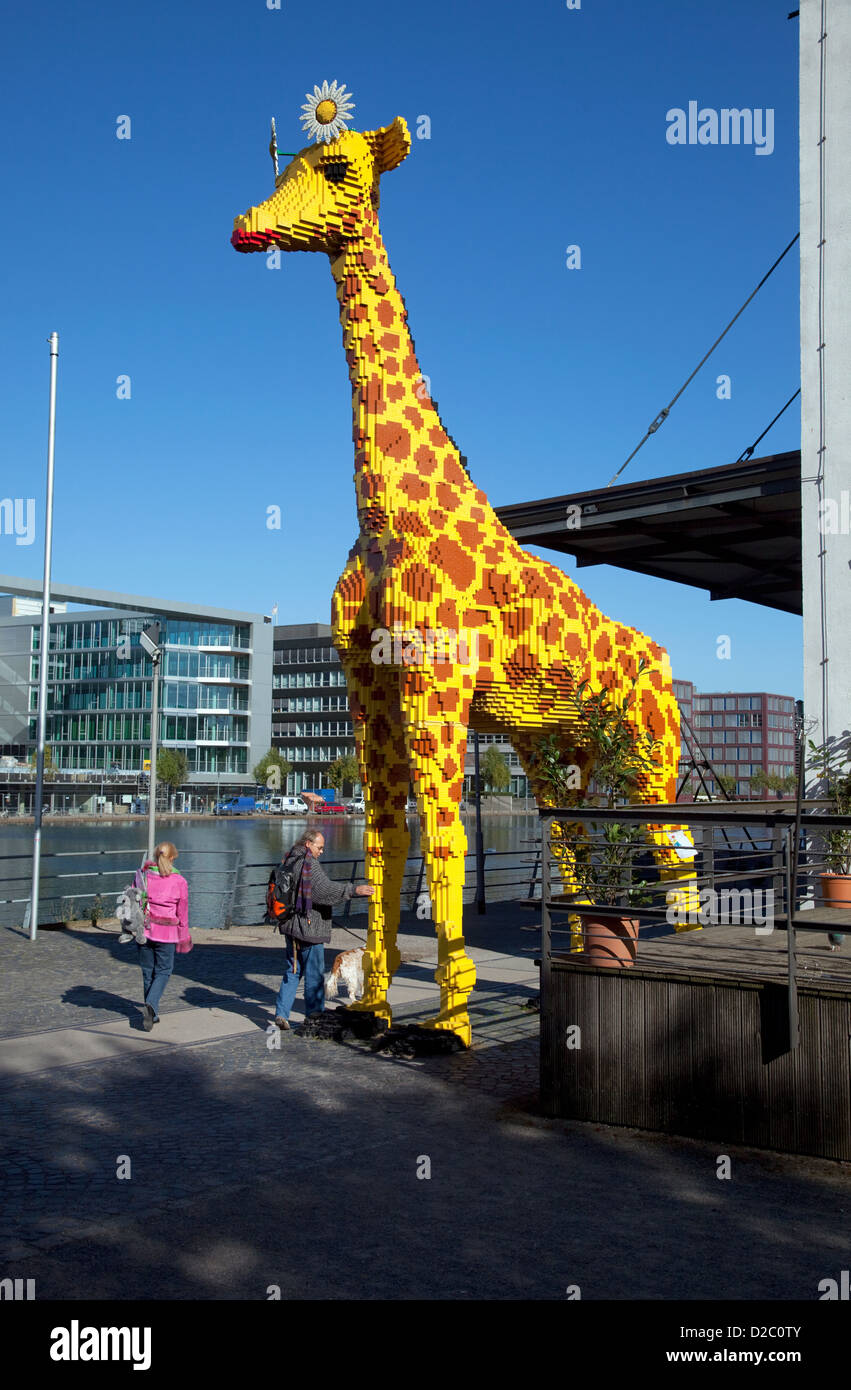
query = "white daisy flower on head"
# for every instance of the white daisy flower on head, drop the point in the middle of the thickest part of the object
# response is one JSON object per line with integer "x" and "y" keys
{"x": 327, "y": 111}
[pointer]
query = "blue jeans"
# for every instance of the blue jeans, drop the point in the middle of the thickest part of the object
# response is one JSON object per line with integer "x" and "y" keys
{"x": 309, "y": 965}
{"x": 157, "y": 961}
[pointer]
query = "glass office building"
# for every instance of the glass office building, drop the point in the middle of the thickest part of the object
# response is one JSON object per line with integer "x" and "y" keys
{"x": 215, "y": 688}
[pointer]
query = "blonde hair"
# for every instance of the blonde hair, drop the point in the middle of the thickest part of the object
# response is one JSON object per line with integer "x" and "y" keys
{"x": 165, "y": 854}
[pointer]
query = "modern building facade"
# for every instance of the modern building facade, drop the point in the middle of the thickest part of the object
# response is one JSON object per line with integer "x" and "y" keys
{"x": 740, "y": 734}
{"x": 311, "y": 723}
{"x": 519, "y": 784}
{"x": 215, "y": 684}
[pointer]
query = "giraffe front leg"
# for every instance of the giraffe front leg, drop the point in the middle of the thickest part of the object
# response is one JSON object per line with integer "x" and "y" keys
{"x": 383, "y": 763}
{"x": 438, "y": 747}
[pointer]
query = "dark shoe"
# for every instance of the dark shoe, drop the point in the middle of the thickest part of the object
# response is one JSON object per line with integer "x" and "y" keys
{"x": 283, "y": 1024}
{"x": 148, "y": 1018}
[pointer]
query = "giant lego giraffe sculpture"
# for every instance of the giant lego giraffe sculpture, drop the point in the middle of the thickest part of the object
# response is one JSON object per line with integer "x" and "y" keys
{"x": 432, "y": 556}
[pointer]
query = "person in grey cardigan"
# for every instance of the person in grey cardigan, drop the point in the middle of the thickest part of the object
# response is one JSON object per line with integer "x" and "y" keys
{"x": 317, "y": 895}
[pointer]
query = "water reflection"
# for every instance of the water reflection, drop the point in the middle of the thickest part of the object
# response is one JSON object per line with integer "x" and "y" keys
{"x": 215, "y": 852}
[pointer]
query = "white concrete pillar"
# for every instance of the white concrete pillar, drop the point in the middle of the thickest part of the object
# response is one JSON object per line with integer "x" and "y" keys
{"x": 825, "y": 168}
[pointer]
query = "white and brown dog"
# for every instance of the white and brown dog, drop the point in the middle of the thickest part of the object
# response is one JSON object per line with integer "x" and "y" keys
{"x": 348, "y": 970}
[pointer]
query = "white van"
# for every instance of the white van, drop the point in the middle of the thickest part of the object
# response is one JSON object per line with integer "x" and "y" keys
{"x": 291, "y": 806}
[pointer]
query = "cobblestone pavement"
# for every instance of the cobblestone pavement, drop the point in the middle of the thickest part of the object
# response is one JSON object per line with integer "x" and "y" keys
{"x": 333, "y": 1172}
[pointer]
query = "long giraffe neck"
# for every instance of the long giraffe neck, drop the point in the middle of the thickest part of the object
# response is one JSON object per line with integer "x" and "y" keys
{"x": 405, "y": 462}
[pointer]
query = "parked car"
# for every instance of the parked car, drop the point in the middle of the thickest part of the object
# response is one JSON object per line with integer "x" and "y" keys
{"x": 328, "y": 808}
{"x": 292, "y": 806}
{"x": 358, "y": 806}
{"x": 235, "y": 806}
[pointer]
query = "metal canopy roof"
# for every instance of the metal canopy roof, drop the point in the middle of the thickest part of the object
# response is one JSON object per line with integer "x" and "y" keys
{"x": 734, "y": 530}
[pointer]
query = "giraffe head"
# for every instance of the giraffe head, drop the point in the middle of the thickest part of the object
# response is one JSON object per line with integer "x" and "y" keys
{"x": 325, "y": 195}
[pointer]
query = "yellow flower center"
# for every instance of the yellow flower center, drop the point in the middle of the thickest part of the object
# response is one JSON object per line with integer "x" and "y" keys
{"x": 326, "y": 111}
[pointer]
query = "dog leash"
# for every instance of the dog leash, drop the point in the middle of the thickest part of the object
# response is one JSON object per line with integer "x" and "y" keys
{"x": 346, "y": 929}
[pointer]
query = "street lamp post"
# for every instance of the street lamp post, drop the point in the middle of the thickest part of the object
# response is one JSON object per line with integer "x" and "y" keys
{"x": 150, "y": 641}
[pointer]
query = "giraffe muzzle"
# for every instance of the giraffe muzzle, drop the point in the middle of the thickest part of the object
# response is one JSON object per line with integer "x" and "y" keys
{"x": 243, "y": 240}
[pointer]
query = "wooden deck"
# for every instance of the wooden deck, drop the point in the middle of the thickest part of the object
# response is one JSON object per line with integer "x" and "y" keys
{"x": 738, "y": 953}
{"x": 702, "y": 1037}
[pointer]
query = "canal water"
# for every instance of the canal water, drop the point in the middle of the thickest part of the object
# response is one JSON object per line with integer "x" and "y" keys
{"x": 227, "y": 860}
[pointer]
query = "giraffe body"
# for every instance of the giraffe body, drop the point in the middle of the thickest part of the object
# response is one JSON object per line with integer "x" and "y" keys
{"x": 511, "y": 634}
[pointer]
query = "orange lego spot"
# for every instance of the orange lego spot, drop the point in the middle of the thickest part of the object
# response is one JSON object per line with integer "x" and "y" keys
{"x": 497, "y": 589}
{"x": 411, "y": 523}
{"x": 393, "y": 440}
{"x": 415, "y": 488}
{"x": 453, "y": 472}
{"x": 418, "y": 583}
{"x": 449, "y": 557}
{"x": 426, "y": 458}
{"x": 469, "y": 533}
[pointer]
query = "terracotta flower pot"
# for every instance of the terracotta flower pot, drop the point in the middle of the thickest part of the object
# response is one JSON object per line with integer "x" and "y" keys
{"x": 836, "y": 890}
{"x": 610, "y": 941}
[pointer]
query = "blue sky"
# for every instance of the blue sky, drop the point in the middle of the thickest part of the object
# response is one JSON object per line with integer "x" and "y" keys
{"x": 547, "y": 129}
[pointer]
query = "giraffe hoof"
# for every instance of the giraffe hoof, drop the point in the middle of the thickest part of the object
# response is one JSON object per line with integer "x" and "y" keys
{"x": 459, "y": 1024}
{"x": 379, "y": 1007}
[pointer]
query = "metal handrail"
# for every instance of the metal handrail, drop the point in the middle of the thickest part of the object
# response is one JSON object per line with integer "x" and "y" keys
{"x": 789, "y": 826}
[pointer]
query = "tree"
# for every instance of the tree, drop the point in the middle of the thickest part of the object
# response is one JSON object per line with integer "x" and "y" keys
{"x": 172, "y": 767}
{"x": 272, "y": 770}
{"x": 343, "y": 770}
{"x": 49, "y": 764}
{"x": 763, "y": 781}
{"x": 495, "y": 771}
{"x": 727, "y": 784}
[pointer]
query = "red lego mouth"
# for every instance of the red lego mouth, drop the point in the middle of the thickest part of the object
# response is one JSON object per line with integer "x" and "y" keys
{"x": 251, "y": 241}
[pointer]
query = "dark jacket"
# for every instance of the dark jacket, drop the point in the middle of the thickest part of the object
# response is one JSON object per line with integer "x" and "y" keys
{"x": 326, "y": 893}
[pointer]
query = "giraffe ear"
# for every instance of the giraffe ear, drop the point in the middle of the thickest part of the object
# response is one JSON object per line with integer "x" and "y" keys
{"x": 389, "y": 145}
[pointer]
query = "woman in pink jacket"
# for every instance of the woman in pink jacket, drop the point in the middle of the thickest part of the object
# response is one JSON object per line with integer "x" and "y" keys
{"x": 166, "y": 926}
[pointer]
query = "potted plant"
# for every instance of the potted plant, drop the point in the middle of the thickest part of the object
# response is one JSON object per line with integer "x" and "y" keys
{"x": 602, "y": 870}
{"x": 831, "y": 762}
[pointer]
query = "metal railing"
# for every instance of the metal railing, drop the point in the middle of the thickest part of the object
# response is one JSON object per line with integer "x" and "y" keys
{"x": 736, "y": 852}
{"x": 64, "y": 892}
{"x": 233, "y": 892}
{"x": 252, "y": 891}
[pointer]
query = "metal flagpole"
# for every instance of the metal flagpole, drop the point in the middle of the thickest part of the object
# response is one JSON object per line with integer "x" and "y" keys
{"x": 150, "y": 642}
{"x": 44, "y": 647}
{"x": 152, "y": 784}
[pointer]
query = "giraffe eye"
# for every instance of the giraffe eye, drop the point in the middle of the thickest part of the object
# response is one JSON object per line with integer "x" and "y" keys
{"x": 336, "y": 170}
